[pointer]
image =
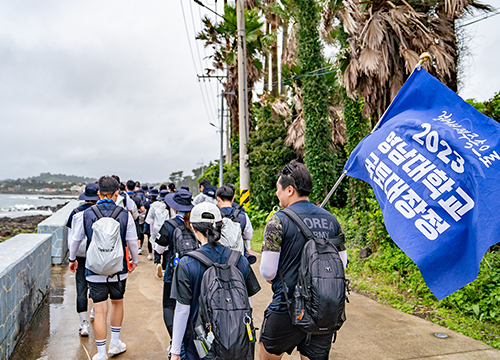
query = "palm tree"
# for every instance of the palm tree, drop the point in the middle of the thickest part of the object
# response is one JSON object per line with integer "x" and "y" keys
{"x": 222, "y": 37}
{"x": 384, "y": 41}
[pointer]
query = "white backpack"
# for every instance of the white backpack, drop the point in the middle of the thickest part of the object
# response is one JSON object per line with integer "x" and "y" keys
{"x": 231, "y": 233}
{"x": 82, "y": 249}
{"x": 105, "y": 252}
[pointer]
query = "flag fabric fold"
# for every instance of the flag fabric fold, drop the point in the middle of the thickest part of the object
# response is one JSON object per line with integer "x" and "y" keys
{"x": 434, "y": 165}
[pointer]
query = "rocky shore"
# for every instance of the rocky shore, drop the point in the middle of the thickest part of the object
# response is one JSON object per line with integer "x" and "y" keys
{"x": 10, "y": 227}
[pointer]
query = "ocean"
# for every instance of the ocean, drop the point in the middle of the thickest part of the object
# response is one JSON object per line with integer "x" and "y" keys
{"x": 17, "y": 205}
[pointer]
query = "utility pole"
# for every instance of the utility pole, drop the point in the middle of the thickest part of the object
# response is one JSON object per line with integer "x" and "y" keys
{"x": 221, "y": 161}
{"x": 243, "y": 105}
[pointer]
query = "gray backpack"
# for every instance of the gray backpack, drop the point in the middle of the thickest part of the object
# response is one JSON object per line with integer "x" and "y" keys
{"x": 184, "y": 240}
{"x": 318, "y": 302}
{"x": 105, "y": 253}
{"x": 231, "y": 236}
{"x": 224, "y": 310}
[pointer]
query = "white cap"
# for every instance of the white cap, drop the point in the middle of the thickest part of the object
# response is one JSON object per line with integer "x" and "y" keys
{"x": 205, "y": 212}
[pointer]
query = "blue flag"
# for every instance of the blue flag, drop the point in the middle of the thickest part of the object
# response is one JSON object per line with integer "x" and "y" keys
{"x": 434, "y": 165}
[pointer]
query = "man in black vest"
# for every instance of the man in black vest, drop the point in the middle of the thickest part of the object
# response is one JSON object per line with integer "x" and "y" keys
{"x": 101, "y": 286}
{"x": 282, "y": 249}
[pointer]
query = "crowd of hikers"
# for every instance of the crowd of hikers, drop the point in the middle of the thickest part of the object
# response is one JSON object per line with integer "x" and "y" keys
{"x": 201, "y": 251}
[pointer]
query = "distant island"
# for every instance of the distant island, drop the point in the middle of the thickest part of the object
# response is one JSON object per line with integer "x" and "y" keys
{"x": 46, "y": 182}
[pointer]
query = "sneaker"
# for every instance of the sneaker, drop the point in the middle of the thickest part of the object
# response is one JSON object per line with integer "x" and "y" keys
{"x": 150, "y": 257}
{"x": 159, "y": 271}
{"x": 92, "y": 314}
{"x": 99, "y": 357}
{"x": 84, "y": 329}
{"x": 117, "y": 349}
{"x": 139, "y": 251}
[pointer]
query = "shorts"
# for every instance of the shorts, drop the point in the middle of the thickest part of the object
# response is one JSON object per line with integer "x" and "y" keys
{"x": 99, "y": 291}
{"x": 279, "y": 335}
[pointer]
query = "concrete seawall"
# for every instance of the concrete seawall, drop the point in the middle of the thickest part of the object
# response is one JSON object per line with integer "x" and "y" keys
{"x": 56, "y": 227}
{"x": 25, "y": 263}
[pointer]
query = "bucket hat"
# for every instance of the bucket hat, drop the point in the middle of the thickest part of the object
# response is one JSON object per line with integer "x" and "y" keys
{"x": 180, "y": 200}
{"x": 162, "y": 194}
{"x": 154, "y": 192}
{"x": 91, "y": 193}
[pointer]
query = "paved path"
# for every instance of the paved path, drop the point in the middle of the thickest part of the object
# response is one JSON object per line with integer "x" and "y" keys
{"x": 372, "y": 331}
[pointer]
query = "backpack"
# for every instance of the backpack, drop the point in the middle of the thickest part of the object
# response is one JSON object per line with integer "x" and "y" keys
{"x": 105, "y": 252}
{"x": 184, "y": 240}
{"x": 318, "y": 302}
{"x": 82, "y": 249}
{"x": 231, "y": 236}
{"x": 224, "y": 325}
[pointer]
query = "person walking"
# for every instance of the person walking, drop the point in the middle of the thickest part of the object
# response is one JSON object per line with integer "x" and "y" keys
{"x": 225, "y": 200}
{"x": 173, "y": 234}
{"x": 101, "y": 284}
{"x": 207, "y": 193}
{"x": 206, "y": 222}
{"x": 90, "y": 196}
{"x": 281, "y": 257}
{"x": 139, "y": 206}
{"x": 155, "y": 218}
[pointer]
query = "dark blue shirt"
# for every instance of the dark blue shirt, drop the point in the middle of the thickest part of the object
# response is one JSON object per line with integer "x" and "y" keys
{"x": 166, "y": 239}
{"x": 291, "y": 242}
{"x": 189, "y": 273}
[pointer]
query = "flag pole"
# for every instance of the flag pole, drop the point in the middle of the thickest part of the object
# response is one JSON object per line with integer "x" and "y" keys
{"x": 423, "y": 58}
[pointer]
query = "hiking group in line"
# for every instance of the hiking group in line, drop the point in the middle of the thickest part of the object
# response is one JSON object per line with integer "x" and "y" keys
{"x": 201, "y": 250}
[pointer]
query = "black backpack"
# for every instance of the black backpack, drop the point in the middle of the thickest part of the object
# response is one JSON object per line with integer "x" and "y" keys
{"x": 184, "y": 240}
{"x": 318, "y": 302}
{"x": 224, "y": 310}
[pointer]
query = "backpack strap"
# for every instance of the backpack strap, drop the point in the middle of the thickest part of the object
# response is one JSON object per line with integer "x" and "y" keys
{"x": 100, "y": 215}
{"x": 233, "y": 258}
{"x": 76, "y": 210}
{"x": 116, "y": 212}
{"x": 201, "y": 257}
{"x": 97, "y": 211}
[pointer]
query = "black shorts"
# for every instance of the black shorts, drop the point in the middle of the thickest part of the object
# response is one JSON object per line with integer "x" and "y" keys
{"x": 99, "y": 291}
{"x": 279, "y": 335}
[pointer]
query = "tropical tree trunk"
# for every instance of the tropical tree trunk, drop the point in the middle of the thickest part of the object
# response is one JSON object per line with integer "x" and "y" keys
{"x": 318, "y": 147}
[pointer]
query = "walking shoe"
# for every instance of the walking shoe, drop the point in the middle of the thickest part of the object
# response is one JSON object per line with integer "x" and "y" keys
{"x": 92, "y": 314}
{"x": 150, "y": 257}
{"x": 139, "y": 251}
{"x": 117, "y": 349}
{"x": 99, "y": 357}
{"x": 84, "y": 329}
{"x": 159, "y": 271}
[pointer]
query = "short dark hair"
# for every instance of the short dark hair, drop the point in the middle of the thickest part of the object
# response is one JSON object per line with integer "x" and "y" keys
{"x": 137, "y": 184}
{"x": 204, "y": 182}
{"x": 163, "y": 187}
{"x": 107, "y": 185}
{"x": 116, "y": 177}
{"x": 171, "y": 186}
{"x": 296, "y": 175}
{"x": 130, "y": 185}
{"x": 225, "y": 192}
{"x": 122, "y": 187}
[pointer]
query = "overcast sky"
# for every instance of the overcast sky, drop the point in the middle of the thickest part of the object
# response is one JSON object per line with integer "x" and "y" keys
{"x": 109, "y": 87}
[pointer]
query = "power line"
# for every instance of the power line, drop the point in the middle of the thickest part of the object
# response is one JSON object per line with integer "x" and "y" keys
{"x": 483, "y": 18}
{"x": 199, "y": 60}
{"x": 192, "y": 57}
